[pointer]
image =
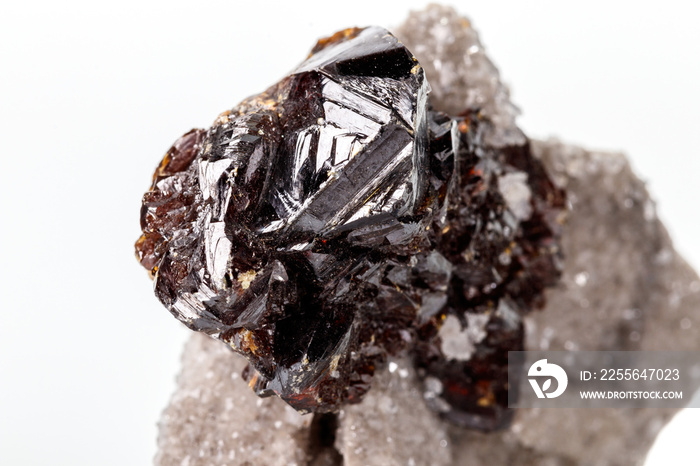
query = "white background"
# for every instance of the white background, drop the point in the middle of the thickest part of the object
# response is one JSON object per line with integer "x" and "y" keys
{"x": 93, "y": 93}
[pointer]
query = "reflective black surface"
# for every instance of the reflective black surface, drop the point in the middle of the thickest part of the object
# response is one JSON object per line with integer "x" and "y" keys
{"x": 335, "y": 220}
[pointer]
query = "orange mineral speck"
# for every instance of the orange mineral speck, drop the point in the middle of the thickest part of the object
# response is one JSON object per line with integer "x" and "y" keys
{"x": 463, "y": 126}
{"x": 253, "y": 380}
{"x": 337, "y": 38}
{"x": 247, "y": 341}
{"x": 486, "y": 400}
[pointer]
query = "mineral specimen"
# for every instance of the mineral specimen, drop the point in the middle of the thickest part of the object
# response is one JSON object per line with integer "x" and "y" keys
{"x": 335, "y": 220}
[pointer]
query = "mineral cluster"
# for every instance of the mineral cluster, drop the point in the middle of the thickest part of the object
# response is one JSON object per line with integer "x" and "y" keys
{"x": 335, "y": 220}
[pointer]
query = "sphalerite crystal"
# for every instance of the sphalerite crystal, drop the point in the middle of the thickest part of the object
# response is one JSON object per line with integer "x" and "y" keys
{"x": 335, "y": 220}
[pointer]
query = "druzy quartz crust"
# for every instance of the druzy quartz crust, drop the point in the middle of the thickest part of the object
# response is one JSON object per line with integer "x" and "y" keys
{"x": 335, "y": 220}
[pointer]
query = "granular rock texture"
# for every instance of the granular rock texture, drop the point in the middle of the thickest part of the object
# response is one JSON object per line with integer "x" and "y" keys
{"x": 461, "y": 74}
{"x": 623, "y": 287}
{"x": 214, "y": 418}
{"x": 382, "y": 429}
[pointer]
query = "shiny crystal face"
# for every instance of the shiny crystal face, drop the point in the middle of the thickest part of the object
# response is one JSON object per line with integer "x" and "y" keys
{"x": 334, "y": 220}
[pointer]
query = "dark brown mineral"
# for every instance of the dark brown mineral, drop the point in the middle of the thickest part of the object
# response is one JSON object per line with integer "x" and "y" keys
{"x": 335, "y": 220}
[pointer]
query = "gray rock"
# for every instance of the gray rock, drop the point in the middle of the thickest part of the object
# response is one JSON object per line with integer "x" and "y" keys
{"x": 460, "y": 73}
{"x": 214, "y": 418}
{"x": 393, "y": 425}
{"x": 624, "y": 287}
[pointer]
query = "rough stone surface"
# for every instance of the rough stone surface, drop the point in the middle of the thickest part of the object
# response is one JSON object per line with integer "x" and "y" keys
{"x": 215, "y": 418}
{"x": 624, "y": 287}
{"x": 462, "y": 76}
{"x": 392, "y": 425}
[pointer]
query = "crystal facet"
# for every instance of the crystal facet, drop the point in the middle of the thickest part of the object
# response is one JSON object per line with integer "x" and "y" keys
{"x": 335, "y": 220}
